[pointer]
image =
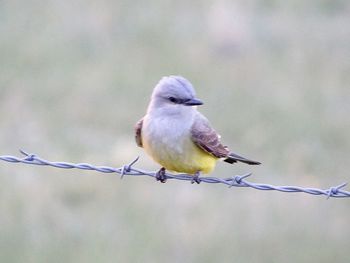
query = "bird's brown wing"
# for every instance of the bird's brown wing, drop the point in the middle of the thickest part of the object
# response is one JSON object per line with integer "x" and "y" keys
{"x": 138, "y": 129}
{"x": 205, "y": 137}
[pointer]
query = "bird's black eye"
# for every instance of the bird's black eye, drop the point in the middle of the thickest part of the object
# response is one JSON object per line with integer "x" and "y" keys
{"x": 173, "y": 100}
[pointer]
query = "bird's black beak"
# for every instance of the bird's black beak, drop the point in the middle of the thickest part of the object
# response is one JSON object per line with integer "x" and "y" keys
{"x": 193, "y": 102}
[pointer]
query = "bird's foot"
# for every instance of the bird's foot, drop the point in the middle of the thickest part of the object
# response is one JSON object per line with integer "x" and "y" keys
{"x": 161, "y": 176}
{"x": 196, "y": 178}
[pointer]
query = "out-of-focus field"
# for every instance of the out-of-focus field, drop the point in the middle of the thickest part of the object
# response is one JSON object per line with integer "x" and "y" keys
{"x": 76, "y": 75}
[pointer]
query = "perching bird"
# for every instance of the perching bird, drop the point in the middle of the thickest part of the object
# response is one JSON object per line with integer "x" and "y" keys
{"x": 177, "y": 136}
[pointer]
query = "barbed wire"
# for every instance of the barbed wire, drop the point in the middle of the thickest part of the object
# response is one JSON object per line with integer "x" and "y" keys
{"x": 234, "y": 181}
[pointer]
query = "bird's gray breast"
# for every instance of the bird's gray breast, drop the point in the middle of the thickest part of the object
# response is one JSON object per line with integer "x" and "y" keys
{"x": 166, "y": 134}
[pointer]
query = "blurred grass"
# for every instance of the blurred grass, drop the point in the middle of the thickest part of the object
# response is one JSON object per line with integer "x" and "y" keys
{"x": 75, "y": 77}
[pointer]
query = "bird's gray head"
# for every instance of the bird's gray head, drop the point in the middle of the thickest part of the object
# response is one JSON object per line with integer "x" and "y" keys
{"x": 174, "y": 92}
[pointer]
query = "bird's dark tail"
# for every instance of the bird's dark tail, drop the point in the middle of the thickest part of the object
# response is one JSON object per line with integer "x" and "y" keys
{"x": 233, "y": 158}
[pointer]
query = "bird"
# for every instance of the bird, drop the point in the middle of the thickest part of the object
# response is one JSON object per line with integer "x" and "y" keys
{"x": 177, "y": 136}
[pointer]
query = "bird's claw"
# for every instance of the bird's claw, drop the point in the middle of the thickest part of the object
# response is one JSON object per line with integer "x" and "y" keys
{"x": 161, "y": 176}
{"x": 195, "y": 178}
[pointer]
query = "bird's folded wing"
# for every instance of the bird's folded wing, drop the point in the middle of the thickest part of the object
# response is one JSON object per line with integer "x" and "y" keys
{"x": 138, "y": 129}
{"x": 205, "y": 137}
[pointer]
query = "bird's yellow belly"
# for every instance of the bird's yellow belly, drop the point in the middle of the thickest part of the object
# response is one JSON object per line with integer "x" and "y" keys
{"x": 182, "y": 157}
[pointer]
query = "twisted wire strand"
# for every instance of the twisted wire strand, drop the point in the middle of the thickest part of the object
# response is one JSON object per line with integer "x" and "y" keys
{"x": 234, "y": 181}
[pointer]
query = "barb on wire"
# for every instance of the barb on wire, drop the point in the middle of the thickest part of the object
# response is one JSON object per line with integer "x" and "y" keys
{"x": 236, "y": 181}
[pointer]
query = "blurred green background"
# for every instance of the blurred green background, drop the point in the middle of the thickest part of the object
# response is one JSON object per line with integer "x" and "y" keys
{"x": 76, "y": 75}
